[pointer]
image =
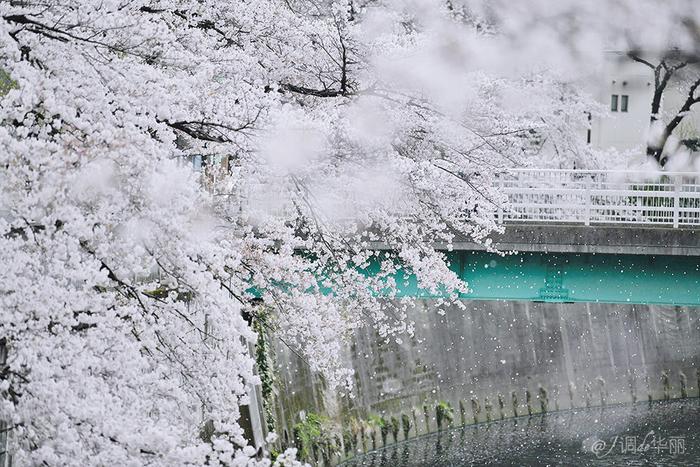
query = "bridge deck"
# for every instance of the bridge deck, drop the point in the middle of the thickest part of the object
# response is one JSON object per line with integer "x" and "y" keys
{"x": 602, "y": 238}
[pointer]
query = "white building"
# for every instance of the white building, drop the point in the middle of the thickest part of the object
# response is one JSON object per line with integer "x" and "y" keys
{"x": 627, "y": 91}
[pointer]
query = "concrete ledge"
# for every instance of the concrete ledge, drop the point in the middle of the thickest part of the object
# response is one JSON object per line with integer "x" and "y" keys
{"x": 621, "y": 239}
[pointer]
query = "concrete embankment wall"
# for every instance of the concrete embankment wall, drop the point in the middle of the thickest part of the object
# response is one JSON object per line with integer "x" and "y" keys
{"x": 496, "y": 359}
{"x": 495, "y": 347}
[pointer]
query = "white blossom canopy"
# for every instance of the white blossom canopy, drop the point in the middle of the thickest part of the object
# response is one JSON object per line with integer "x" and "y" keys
{"x": 337, "y": 127}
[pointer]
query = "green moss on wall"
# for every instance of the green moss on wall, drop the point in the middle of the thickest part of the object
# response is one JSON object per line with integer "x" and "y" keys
{"x": 6, "y": 83}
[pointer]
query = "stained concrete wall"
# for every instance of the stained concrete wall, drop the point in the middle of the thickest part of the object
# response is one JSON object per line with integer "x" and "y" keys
{"x": 581, "y": 354}
{"x": 297, "y": 391}
{"x": 495, "y": 347}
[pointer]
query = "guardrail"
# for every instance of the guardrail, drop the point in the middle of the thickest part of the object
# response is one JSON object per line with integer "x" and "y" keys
{"x": 559, "y": 196}
{"x": 601, "y": 197}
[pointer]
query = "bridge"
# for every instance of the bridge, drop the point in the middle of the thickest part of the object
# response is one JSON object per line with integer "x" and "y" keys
{"x": 583, "y": 236}
{"x": 588, "y": 236}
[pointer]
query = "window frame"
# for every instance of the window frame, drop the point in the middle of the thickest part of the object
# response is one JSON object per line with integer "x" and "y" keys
{"x": 624, "y": 102}
{"x": 614, "y": 102}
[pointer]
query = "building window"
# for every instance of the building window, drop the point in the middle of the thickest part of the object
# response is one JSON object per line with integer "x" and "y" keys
{"x": 624, "y": 100}
{"x": 613, "y": 103}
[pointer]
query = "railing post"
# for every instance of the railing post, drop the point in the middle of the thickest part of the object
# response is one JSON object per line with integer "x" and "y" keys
{"x": 676, "y": 203}
{"x": 499, "y": 212}
{"x": 587, "y": 219}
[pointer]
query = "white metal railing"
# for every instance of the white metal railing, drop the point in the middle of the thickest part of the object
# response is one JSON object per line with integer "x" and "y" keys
{"x": 555, "y": 196}
{"x": 601, "y": 197}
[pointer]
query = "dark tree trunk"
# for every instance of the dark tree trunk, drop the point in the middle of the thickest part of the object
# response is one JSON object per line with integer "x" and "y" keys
{"x": 662, "y": 74}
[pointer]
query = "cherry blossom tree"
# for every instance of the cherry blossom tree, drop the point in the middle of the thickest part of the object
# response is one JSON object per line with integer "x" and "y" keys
{"x": 358, "y": 139}
{"x": 678, "y": 69}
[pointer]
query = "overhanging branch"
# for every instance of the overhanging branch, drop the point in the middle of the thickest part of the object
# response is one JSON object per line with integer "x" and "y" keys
{"x": 313, "y": 92}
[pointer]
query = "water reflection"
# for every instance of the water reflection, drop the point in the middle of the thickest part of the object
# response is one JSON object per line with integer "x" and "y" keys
{"x": 661, "y": 433}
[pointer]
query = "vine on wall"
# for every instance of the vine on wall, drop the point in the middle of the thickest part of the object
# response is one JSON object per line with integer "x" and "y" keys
{"x": 264, "y": 363}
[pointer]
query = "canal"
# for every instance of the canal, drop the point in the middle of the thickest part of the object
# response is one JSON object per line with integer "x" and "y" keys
{"x": 658, "y": 433}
